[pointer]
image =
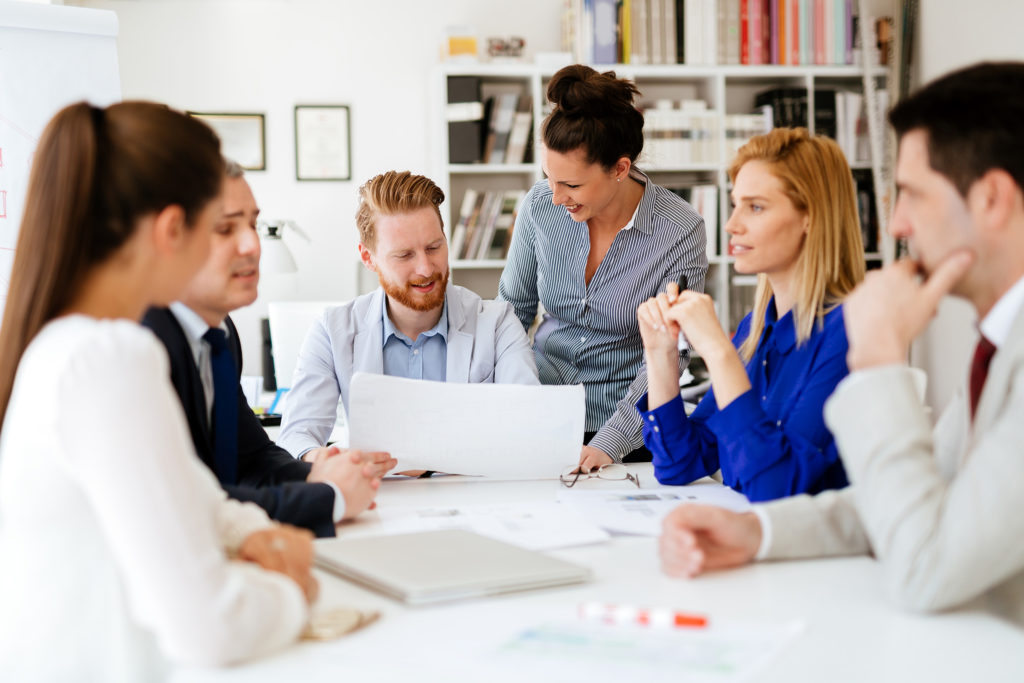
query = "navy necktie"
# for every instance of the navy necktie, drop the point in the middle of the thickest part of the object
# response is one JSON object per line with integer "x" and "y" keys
{"x": 225, "y": 407}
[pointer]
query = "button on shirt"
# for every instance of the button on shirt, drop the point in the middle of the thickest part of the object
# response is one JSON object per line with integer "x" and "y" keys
{"x": 590, "y": 334}
{"x": 772, "y": 440}
{"x": 424, "y": 358}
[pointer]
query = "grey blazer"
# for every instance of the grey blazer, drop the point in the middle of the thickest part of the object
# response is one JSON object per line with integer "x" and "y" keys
{"x": 942, "y": 510}
{"x": 486, "y": 343}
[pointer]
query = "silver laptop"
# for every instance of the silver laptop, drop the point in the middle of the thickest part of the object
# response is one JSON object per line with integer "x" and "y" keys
{"x": 437, "y": 566}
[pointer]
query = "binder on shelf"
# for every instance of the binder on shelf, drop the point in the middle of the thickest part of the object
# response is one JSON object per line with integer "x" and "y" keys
{"x": 465, "y": 115}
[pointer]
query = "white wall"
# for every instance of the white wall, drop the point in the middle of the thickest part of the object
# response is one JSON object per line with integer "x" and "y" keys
{"x": 269, "y": 55}
{"x": 953, "y": 34}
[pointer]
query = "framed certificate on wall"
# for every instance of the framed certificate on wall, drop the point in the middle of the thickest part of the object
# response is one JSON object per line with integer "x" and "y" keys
{"x": 322, "y": 142}
{"x": 242, "y": 137}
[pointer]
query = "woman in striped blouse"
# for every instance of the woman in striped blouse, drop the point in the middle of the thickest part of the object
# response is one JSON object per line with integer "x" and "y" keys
{"x": 795, "y": 224}
{"x": 591, "y": 243}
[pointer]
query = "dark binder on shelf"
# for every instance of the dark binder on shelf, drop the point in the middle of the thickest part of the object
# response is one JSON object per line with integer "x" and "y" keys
{"x": 465, "y": 120}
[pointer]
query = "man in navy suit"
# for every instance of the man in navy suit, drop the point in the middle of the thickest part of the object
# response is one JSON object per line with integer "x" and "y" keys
{"x": 316, "y": 495}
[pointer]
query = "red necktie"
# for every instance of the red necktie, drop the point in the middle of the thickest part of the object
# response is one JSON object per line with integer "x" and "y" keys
{"x": 979, "y": 369}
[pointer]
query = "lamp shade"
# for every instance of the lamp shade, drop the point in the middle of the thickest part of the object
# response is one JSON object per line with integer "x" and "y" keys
{"x": 276, "y": 258}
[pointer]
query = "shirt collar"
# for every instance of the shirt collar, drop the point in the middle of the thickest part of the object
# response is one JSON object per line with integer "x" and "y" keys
{"x": 648, "y": 196}
{"x": 783, "y": 331}
{"x": 997, "y": 324}
{"x": 191, "y": 322}
{"x": 440, "y": 328}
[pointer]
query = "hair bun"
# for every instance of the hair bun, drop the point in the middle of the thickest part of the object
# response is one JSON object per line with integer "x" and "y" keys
{"x": 578, "y": 90}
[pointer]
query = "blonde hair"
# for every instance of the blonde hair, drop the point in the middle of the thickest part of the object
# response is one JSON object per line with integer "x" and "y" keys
{"x": 394, "y": 192}
{"x": 817, "y": 179}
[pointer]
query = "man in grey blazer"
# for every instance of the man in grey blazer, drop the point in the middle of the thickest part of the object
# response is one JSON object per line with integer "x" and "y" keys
{"x": 941, "y": 510}
{"x": 414, "y": 325}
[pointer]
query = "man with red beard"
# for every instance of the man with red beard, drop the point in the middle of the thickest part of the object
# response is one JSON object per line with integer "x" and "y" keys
{"x": 415, "y": 325}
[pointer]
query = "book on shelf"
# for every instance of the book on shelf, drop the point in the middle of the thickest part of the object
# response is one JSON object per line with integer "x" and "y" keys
{"x": 838, "y": 114}
{"x": 461, "y": 228}
{"x": 606, "y": 42}
{"x": 500, "y": 127}
{"x": 519, "y": 137}
{"x": 704, "y": 200}
{"x": 797, "y": 32}
{"x": 484, "y": 227}
{"x": 500, "y": 237}
{"x": 866, "y": 209}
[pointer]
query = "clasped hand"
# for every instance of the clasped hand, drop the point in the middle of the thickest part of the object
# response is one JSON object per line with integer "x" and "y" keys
{"x": 662, "y": 317}
{"x": 356, "y": 473}
{"x": 286, "y": 550}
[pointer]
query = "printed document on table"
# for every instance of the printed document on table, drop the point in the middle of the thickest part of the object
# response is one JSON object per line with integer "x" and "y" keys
{"x": 641, "y": 511}
{"x": 503, "y": 431}
{"x": 534, "y": 525}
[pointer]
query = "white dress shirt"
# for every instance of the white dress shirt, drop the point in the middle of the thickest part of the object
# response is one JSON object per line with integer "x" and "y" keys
{"x": 113, "y": 534}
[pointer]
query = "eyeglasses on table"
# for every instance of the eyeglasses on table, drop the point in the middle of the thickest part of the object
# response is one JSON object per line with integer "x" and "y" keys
{"x": 609, "y": 472}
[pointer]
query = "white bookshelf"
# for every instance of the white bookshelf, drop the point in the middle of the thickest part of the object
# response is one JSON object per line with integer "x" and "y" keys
{"x": 726, "y": 90}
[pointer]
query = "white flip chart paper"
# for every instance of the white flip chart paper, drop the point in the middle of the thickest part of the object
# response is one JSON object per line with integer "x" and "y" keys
{"x": 503, "y": 431}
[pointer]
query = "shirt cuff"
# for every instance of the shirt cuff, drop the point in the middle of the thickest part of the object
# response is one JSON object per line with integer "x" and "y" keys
{"x": 735, "y": 418}
{"x": 611, "y": 442}
{"x": 766, "y": 532}
{"x": 339, "y": 502}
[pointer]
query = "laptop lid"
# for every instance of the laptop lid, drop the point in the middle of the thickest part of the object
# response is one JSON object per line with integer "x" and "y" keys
{"x": 438, "y": 566}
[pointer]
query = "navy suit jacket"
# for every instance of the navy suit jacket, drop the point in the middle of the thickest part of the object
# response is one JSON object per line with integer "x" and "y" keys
{"x": 267, "y": 474}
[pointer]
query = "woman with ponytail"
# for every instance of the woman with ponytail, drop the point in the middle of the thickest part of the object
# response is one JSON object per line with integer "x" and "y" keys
{"x": 115, "y": 539}
{"x": 762, "y": 424}
{"x": 591, "y": 243}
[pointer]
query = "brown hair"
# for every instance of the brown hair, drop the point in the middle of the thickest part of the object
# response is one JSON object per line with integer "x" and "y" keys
{"x": 817, "y": 179}
{"x": 392, "y": 193}
{"x": 593, "y": 112}
{"x": 974, "y": 119}
{"x": 96, "y": 172}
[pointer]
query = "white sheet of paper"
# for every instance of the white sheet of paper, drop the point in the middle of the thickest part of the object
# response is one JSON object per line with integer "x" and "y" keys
{"x": 534, "y": 525}
{"x": 504, "y": 431}
{"x": 641, "y": 511}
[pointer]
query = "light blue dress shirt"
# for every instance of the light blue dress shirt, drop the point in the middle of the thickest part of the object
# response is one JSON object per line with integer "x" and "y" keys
{"x": 424, "y": 358}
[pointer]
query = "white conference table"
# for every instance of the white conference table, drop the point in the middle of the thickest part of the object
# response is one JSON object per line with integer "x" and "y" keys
{"x": 850, "y": 632}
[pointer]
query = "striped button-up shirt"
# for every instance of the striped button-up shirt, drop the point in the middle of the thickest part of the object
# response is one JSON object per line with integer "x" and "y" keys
{"x": 590, "y": 332}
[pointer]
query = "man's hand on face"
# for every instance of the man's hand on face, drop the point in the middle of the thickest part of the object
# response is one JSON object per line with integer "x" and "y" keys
{"x": 893, "y": 305}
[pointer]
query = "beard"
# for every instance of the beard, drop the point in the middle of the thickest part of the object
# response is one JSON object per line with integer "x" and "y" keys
{"x": 408, "y": 296}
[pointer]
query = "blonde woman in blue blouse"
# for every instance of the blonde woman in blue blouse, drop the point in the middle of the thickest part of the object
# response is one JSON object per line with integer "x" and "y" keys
{"x": 795, "y": 225}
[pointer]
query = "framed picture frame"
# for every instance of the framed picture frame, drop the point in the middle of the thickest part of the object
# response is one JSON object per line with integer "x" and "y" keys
{"x": 323, "y": 137}
{"x": 242, "y": 137}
